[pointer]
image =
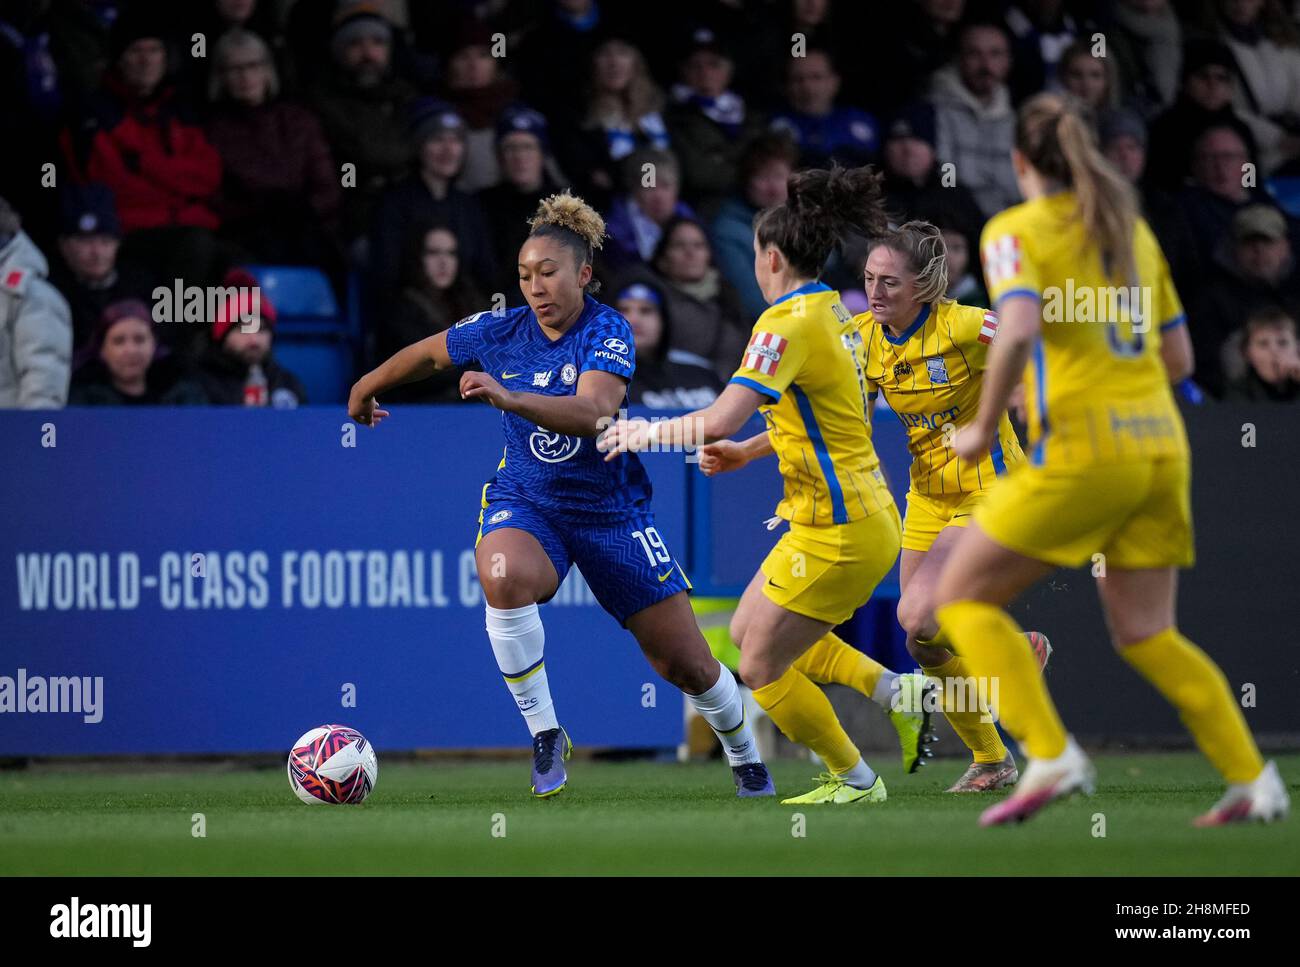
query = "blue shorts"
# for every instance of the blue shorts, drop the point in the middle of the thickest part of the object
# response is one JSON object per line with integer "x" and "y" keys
{"x": 626, "y": 564}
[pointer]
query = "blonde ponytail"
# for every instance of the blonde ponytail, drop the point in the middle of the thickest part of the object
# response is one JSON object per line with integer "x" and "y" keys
{"x": 1054, "y": 138}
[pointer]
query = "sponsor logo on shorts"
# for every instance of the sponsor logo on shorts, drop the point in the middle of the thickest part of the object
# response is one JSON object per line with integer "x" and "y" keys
{"x": 499, "y": 516}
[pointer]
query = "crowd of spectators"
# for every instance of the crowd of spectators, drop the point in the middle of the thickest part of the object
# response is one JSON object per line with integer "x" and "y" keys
{"x": 399, "y": 146}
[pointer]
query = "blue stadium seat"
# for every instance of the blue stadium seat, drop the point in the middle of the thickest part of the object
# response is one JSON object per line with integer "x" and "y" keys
{"x": 323, "y": 363}
{"x": 1286, "y": 192}
{"x": 303, "y": 299}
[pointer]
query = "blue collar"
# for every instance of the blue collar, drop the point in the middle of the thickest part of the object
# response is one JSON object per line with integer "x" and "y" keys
{"x": 910, "y": 331}
{"x": 805, "y": 289}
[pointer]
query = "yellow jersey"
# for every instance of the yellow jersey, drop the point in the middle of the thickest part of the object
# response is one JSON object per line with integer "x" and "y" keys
{"x": 806, "y": 358}
{"x": 931, "y": 376}
{"x": 1096, "y": 389}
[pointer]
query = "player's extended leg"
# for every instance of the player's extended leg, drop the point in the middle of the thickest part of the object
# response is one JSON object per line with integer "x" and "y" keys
{"x": 671, "y": 641}
{"x": 833, "y": 661}
{"x": 992, "y": 766}
{"x": 1140, "y": 608}
{"x": 516, "y": 573}
{"x": 773, "y": 639}
{"x": 980, "y": 578}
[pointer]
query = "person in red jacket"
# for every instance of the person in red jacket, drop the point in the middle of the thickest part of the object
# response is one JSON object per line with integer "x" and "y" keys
{"x": 138, "y": 139}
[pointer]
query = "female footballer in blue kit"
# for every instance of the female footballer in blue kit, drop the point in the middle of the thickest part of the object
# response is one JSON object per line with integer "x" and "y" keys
{"x": 559, "y": 370}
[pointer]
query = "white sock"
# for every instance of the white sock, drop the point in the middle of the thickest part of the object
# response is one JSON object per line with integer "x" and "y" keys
{"x": 883, "y": 693}
{"x": 722, "y": 707}
{"x": 861, "y": 776}
{"x": 518, "y": 638}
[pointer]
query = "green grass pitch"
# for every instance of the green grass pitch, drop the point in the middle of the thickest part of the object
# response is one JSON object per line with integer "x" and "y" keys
{"x": 439, "y": 817}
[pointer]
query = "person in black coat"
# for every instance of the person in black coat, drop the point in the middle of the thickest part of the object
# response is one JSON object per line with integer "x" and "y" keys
{"x": 523, "y": 150}
{"x": 88, "y": 272}
{"x": 126, "y": 367}
{"x": 429, "y": 195}
{"x": 914, "y": 181}
{"x": 665, "y": 378}
{"x": 436, "y": 294}
{"x": 1272, "y": 360}
{"x": 237, "y": 367}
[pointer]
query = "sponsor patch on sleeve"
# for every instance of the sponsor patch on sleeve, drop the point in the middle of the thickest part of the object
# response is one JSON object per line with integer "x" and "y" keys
{"x": 1002, "y": 259}
{"x": 988, "y": 327}
{"x": 764, "y": 352}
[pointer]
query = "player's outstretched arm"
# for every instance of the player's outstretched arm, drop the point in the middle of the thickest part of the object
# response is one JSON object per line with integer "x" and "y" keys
{"x": 597, "y": 400}
{"x": 727, "y": 455}
{"x": 717, "y": 421}
{"x": 417, "y": 361}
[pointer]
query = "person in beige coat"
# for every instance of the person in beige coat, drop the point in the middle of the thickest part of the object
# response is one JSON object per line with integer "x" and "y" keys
{"x": 35, "y": 324}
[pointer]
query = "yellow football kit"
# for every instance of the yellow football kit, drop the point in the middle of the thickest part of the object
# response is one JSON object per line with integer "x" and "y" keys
{"x": 930, "y": 375}
{"x": 806, "y": 358}
{"x": 1108, "y": 471}
{"x": 1109, "y": 468}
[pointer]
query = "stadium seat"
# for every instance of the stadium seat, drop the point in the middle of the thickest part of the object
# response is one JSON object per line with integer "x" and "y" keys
{"x": 1286, "y": 192}
{"x": 323, "y": 363}
{"x": 303, "y": 299}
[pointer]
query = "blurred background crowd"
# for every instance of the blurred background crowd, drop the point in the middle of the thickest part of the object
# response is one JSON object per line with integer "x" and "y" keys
{"x": 370, "y": 166}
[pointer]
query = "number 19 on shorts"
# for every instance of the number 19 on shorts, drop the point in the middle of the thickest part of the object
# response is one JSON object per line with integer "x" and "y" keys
{"x": 653, "y": 545}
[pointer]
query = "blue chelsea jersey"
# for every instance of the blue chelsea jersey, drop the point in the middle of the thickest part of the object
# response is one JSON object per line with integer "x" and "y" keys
{"x": 559, "y": 473}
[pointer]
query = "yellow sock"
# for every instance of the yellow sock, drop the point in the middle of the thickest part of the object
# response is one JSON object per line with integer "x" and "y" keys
{"x": 804, "y": 714}
{"x": 993, "y": 648}
{"x": 833, "y": 661}
{"x": 1192, "y": 683}
{"x": 970, "y": 724}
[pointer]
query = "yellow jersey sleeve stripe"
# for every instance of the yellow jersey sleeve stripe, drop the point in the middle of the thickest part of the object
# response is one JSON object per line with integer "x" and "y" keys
{"x": 1174, "y": 323}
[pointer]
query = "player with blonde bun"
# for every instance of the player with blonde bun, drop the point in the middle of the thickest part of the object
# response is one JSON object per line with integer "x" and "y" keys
{"x": 558, "y": 369}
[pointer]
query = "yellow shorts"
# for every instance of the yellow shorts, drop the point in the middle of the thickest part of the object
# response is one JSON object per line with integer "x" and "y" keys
{"x": 1138, "y": 514}
{"x": 829, "y": 572}
{"x": 927, "y": 516}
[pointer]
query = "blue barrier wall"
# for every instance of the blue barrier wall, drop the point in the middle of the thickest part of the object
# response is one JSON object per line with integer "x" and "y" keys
{"x": 323, "y": 565}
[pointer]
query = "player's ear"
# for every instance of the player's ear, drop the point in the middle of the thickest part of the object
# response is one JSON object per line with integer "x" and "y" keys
{"x": 584, "y": 275}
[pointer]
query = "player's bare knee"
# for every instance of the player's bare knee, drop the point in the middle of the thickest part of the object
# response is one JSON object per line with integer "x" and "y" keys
{"x": 508, "y": 591}
{"x": 914, "y": 613}
{"x": 756, "y": 672}
{"x": 690, "y": 674}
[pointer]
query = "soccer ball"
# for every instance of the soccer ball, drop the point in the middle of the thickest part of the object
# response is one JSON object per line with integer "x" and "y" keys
{"x": 332, "y": 764}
